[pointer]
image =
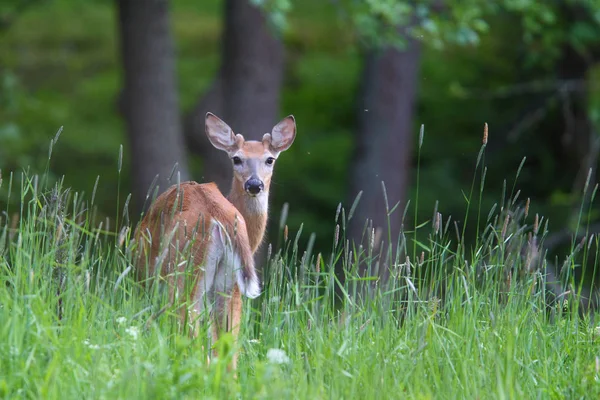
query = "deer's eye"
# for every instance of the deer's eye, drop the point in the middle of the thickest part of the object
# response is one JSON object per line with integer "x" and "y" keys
{"x": 270, "y": 161}
{"x": 237, "y": 160}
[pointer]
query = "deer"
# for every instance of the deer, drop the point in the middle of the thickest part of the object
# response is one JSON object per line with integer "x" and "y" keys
{"x": 192, "y": 227}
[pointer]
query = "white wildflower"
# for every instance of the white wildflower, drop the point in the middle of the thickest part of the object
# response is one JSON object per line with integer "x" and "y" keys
{"x": 133, "y": 331}
{"x": 254, "y": 341}
{"x": 277, "y": 356}
{"x": 121, "y": 320}
{"x": 92, "y": 346}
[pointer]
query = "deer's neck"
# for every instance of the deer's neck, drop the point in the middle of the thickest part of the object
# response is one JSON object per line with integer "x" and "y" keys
{"x": 254, "y": 210}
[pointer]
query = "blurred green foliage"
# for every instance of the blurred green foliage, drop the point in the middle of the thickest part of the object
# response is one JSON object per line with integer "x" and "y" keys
{"x": 59, "y": 66}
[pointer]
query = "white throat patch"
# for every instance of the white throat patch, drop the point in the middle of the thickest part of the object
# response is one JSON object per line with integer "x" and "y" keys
{"x": 258, "y": 204}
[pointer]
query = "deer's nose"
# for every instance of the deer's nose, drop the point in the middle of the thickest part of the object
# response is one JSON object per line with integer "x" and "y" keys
{"x": 254, "y": 186}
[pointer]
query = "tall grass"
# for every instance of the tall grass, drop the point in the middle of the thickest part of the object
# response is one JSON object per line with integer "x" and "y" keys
{"x": 450, "y": 322}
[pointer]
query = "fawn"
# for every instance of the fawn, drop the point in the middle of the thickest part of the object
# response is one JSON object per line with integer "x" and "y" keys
{"x": 192, "y": 227}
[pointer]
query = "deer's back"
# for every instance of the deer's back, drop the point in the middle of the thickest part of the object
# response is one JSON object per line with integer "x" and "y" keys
{"x": 188, "y": 212}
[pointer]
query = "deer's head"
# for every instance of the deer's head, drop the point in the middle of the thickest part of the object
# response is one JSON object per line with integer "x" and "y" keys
{"x": 252, "y": 161}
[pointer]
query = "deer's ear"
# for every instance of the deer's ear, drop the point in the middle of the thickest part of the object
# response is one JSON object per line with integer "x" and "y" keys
{"x": 283, "y": 134}
{"x": 220, "y": 134}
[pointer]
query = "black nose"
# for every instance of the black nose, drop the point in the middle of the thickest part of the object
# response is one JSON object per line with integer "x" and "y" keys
{"x": 254, "y": 186}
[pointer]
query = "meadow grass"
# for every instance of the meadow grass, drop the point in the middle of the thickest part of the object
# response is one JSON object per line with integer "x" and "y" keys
{"x": 454, "y": 320}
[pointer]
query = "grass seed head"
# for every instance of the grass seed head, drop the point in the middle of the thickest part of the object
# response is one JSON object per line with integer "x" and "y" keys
{"x": 318, "y": 264}
{"x": 505, "y": 226}
{"x": 485, "y": 133}
{"x": 438, "y": 223}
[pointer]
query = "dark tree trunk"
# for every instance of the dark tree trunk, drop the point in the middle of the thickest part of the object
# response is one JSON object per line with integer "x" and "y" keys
{"x": 150, "y": 99}
{"x": 577, "y": 136}
{"x": 246, "y": 91}
{"x": 577, "y": 146}
{"x": 384, "y": 138}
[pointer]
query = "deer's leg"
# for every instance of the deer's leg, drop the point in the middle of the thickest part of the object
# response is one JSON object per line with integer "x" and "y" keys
{"x": 226, "y": 318}
{"x": 202, "y": 303}
{"x": 204, "y": 294}
{"x": 227, "y": 310}
{"x": 172, "y": 300}
{"x": 235, "y": 318}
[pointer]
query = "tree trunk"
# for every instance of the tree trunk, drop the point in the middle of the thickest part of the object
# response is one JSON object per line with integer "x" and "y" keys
{"x": 384, "y": 139}
{"x": 246, "y": 91}
{"x": 150, "y": 96}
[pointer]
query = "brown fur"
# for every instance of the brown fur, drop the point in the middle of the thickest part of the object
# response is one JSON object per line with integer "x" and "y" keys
{"x": 196, "y": 205}
{"x": 193, "y": 207}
